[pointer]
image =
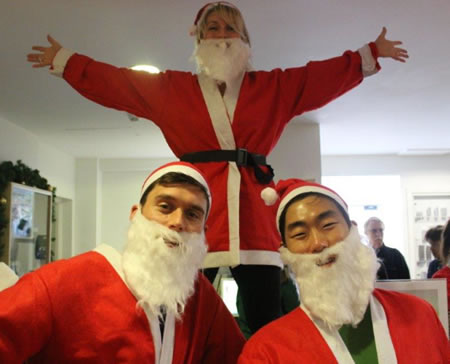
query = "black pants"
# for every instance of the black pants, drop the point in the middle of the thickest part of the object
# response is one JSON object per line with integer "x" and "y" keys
{"x": 259, "y": 287}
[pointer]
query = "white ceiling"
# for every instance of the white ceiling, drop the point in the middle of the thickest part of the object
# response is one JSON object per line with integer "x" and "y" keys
{"x": 404, "y": 107}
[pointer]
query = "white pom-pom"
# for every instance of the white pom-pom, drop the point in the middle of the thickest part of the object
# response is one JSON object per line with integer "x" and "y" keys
{"x": 269, "y": 195}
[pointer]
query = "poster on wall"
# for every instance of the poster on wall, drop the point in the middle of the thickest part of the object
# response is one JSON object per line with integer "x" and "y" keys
{"x": 428, "y": 210}
{"x": 22, "y": 213}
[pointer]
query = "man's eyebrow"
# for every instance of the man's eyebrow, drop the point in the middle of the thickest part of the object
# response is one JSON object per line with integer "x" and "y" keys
{"x": 327, "y": 214}
{"x": 165, "y": 197}
{"x": 198, "y": 208}
{"x": 322, "y": 216}
{"x": 295, "y": 224}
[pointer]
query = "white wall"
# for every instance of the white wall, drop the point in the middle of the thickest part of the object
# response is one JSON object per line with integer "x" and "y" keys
{"x": 63, "y": 228}
{"x": 105, "y": 191}
{"x": 382, "y": 192}
{"x": 87, "y": 207}
{"x": 386, "y": 164}
{"x": 297, "y": 153}
{"x": 418, "y": 174}
{"x": 122, "y": 180}
{"x": 57, "y": 167}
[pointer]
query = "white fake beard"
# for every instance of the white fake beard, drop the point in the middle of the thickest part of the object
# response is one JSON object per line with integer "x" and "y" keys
{"x": 159, "y": 275}
{"x": 337, "y": 294}
{"x": 222, "y": 59}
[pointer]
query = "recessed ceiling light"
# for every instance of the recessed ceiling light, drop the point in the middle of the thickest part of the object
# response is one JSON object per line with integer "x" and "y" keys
{"x": 146, "y": 68}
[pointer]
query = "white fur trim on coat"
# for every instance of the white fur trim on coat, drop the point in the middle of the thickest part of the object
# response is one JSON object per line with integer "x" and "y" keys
{"x": 60, "y": 61}
{"x": 368, "y": 63}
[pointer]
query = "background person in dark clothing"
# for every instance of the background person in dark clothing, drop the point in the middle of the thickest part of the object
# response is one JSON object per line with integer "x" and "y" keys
{"x": 393, "y": 260}
{"x": 433, "y": 237}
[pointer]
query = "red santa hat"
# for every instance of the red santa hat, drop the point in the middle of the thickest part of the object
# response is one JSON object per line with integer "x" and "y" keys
{"x": 179, "y": 167}
{"x": 286, "y": 190}
{"x": 203, "y": 11}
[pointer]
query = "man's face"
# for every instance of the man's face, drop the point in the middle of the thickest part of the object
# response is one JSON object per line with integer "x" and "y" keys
{"x": 335, "y": 272}
{"x": 179, "y": 207}
{"x": 166, "y": 247}
{"x": 374, "y": 232}
{"x": 314, "y": 224}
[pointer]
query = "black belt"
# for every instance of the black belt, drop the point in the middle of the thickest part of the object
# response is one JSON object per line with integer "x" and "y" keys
{"x": 240, "y": 156}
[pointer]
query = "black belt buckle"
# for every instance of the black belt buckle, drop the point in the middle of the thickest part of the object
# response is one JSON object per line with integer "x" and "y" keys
{"x": 241, "y": 156}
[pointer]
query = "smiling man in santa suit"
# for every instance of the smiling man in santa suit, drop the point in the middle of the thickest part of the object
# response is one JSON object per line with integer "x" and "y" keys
{"x": 226, "y": 119}
{"x": 342, "y": 318}
{"x": 147, "y": 305}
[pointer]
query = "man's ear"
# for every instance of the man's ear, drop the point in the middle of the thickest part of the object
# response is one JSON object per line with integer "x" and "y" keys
{"x": 133, "y": 211}
{"x": 205, "y": 229}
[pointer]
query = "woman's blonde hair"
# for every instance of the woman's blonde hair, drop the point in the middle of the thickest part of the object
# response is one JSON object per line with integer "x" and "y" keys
{"x": 231, "y": 15}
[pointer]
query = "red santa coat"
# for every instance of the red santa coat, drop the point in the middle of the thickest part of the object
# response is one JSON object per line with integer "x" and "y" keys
{"x": 80, "y": 311}
{"x": 193, "y": 117}
{"x": 415, "y": 331}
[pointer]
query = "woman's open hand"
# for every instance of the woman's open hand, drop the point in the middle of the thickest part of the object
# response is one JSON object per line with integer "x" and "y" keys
{"x": 46, "y": 54}
{"x": 389, "y": 48}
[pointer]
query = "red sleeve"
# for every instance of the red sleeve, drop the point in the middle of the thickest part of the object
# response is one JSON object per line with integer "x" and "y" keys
{"x": 25, "y": 319}
{"x": 319, "y": 82}
{"x": 137, "y": 92}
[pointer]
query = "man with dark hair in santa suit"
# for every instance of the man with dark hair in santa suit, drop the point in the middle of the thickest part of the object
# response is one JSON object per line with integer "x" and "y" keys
{"x": 342, "y": 318}
{"x": 226, "y": 119}
{"x": 147, "y": 305}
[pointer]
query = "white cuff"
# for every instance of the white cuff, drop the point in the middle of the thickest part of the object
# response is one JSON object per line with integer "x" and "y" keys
{"x": 60, "y": 61}
{"x": 368, "y": 63}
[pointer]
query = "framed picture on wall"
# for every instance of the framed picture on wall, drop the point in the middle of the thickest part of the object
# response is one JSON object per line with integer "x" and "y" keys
{"x": 22, "y": 213}
{"x": 26, "y": 242}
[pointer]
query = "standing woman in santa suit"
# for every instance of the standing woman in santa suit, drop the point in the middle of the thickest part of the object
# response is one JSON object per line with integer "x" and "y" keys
{"x": 226, "y": 119}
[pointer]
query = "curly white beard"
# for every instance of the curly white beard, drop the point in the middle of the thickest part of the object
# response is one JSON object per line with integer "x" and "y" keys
{"x": 222, "y": 59}
{"x": 159, "y": 275}
{"x": 336, "y": 294}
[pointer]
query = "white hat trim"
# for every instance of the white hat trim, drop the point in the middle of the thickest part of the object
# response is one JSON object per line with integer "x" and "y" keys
{"x": 177, "y": 169}
{"x": 306, "y": 189}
